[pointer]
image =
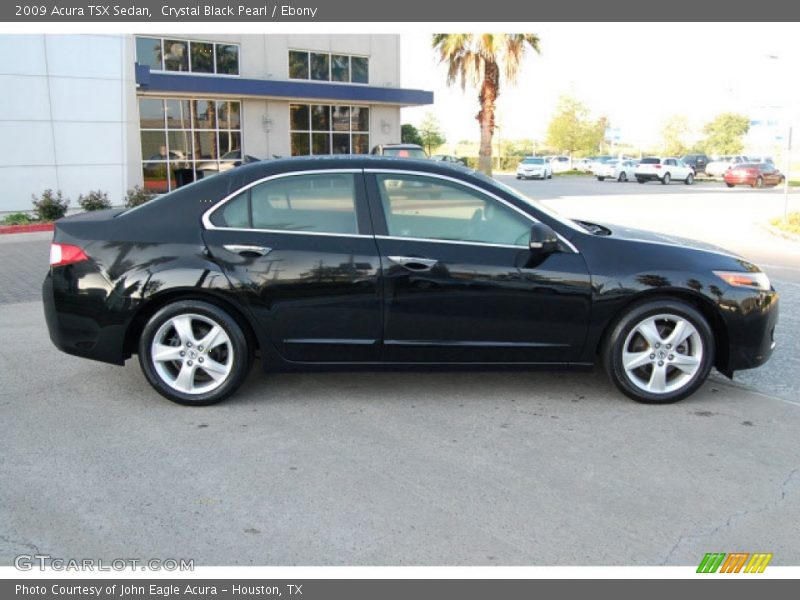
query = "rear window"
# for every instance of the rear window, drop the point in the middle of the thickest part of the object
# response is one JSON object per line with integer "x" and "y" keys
{"x": 650, "y": 161}
{"x": 533, "y": 161}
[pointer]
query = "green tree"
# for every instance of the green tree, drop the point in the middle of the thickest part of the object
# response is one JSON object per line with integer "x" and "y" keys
{"x": 431, "y": 133}
{"x": 572, "y": 129}
{"x": 724, "y": 134}
{"x": 673, "y": 135}
{"x": 479, "y": 60}
{"x": 409, "y": 134}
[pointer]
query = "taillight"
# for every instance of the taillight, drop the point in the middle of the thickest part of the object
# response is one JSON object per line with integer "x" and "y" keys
{"x": 657, "y": 166}
{"x": 65, "y": 254}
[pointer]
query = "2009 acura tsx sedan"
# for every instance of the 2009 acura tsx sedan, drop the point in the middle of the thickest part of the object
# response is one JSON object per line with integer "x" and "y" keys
{"x": 353, "y": 262}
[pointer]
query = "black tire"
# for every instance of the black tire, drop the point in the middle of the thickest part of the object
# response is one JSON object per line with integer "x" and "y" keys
{"x": 623, "y": 177}
{"x": 759, "y": 182}
{"x": 666, "y": 179}
{"x": 689, "y": 179}
{"x": 518, "y": 177}
{"x": 240, "y": 361}
{"x": 730, "y": 185}
{"x": 612, "y": 349}
{"x": 600, "y": 178}
{"x": 640, "y": 180}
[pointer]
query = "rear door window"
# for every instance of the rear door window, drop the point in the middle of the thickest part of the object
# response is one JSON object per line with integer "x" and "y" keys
{"x": 318, "y": 203}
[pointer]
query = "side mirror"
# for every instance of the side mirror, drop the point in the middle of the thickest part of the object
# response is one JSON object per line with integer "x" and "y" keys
{"x": 543, "y": 238}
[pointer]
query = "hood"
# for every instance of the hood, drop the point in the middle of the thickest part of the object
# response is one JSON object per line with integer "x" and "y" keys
{"x": 629, "y": 233}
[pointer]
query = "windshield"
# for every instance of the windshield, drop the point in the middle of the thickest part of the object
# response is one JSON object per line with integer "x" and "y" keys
{"x": 533, "y": 161}
{"x": 405, "y": 152}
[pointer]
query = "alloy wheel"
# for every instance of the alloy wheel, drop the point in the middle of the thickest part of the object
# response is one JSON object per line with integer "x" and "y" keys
{"x": 192, "y": 353}
{"x": 662, "y": 353}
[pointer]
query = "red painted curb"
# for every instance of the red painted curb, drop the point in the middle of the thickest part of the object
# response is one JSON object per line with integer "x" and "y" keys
{"x": 26, "y": 228}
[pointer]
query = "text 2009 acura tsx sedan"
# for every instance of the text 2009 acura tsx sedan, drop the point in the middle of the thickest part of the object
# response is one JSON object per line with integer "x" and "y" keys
{"x": 359, "y": 261}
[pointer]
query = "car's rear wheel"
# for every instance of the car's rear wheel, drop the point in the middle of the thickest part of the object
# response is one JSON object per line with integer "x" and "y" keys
{"x": 193, "y": 352}
{"x": 689, "y": 179}
{"x": 659, "y": 351}
{"x": 600, "y": 178}
{"x": 666, "y": 179}
{"x": 730, "y": 184}
{"x": 622, "y": 177}
{"x": 759, "y": 182}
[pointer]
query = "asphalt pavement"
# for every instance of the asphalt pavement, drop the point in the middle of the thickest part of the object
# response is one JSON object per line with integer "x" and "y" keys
{"x": 479, "y": 468}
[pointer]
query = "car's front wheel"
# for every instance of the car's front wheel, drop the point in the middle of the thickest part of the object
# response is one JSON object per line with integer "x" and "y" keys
{"x": 623, "y": 177}
{"x": 193, "y": 352}
{"x": 659, "y": 351}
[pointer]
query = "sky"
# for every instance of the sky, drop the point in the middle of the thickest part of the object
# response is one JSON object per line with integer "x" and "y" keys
{"x": 637, "y": 74}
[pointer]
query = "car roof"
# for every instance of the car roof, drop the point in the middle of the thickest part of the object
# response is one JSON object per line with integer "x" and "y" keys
{"x": 276, "y": 166}
{"x": 400, "y": 146}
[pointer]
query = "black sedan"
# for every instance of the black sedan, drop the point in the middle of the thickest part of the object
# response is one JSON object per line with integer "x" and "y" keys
{"x": 372, "y": 262}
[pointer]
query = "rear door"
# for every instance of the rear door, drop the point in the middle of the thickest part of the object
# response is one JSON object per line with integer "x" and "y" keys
{"x": 299, "y": 251}
{"x": 460, "y": 282}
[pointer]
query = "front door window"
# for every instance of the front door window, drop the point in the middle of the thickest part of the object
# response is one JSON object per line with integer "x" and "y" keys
{"x": 423, "y": 207}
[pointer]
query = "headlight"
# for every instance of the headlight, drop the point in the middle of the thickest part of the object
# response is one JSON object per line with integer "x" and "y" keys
{"x": 756, "y": 281}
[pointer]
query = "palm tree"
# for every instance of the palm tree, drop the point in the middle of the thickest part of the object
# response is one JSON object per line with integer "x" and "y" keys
{"x": 477, "y": 60}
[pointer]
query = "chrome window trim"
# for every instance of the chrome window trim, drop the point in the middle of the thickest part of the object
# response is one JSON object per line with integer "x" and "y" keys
{"x": 206, "y": 218}
{"x": 293, "y": 232}
{"x": 461, "y": 242}
{"x": 207, "y": 224}
{"x": 477, "y": 189}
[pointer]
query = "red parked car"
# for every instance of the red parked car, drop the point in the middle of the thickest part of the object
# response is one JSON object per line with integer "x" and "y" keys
{"x": 753, "y": 174}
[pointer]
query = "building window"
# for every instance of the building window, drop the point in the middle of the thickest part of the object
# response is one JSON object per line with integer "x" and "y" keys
{"x": 326, "y": 129}
{"x": 324, "y": 66}
{"x": 187, "y": 139}
{"x": 187, "y": 56}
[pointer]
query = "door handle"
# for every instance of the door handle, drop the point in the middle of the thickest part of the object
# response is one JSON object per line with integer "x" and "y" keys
{"x": 414, "y": 263}
{"x": 245, "y": 249}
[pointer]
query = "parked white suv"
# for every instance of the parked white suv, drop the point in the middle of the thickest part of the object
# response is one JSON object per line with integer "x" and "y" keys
{"x": 664, "y": 170}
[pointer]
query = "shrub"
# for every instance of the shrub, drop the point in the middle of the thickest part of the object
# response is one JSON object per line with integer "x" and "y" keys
{"x": 137, "y": 196}
{"x": 50, "y": 206}
{"x": 16, "y": 219}
{"x": 96, "y": 200}
{"x": 790, "y": 224}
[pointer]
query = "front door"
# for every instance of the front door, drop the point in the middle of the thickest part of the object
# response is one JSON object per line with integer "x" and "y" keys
{"x": 460, "y": 282}
{"x": 299, "y": 251}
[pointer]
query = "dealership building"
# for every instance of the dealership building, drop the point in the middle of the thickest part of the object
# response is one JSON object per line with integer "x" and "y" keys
{"x": 110, "y": 112}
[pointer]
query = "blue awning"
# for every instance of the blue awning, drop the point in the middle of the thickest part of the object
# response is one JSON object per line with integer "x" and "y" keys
{"x": 184, "y": 83}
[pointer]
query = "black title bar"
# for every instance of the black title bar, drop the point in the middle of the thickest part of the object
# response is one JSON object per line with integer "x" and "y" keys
{"x": 447, "y": 12}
